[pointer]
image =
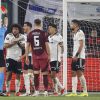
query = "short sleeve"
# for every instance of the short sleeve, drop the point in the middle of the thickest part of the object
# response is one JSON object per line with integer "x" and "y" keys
{"x": 81, "y": 36}
{"x": 7, "y": 39}
{"x": 59, "y": 38}
{"x": 23, "y": 39}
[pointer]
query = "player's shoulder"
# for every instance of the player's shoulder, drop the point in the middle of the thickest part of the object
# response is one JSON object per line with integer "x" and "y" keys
{"x": 58, "y": 35}
{"x": 9, "y": 35}
{"x": 43, "y": 32}
{"x": 80, "y": 32}
{"x": 22, "y": 35}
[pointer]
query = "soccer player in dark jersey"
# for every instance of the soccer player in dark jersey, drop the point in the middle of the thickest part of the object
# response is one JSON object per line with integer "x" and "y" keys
{"x": 40, "y": 54}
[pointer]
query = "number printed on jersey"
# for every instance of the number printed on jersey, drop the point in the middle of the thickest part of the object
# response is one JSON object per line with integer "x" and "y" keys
{"x": 36, "y": 41}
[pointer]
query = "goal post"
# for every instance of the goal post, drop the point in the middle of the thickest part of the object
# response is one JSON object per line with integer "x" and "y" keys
{"x": 65, "y": 43}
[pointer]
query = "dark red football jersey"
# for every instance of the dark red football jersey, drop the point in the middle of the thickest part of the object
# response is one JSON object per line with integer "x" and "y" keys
{"x": 37, "y": 38}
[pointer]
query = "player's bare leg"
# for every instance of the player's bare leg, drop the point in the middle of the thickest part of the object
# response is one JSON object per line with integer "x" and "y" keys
{"x": 82, "y": 79}
{"x": 8, "y": 79}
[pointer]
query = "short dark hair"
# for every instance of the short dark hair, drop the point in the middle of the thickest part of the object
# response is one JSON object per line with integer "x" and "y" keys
{"x": 28, "y": 24}
{"x": 37, "y": 21}
{"x": 76, "y": 22}
{"x": 53, "y": 25}
{"x": 17, "y": 26}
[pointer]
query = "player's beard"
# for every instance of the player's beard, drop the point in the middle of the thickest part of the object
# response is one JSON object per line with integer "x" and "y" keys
{"x": 72, "y": 29}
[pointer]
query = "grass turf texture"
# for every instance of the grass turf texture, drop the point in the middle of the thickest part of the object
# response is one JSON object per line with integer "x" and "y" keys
{"x": 90, "y": 97}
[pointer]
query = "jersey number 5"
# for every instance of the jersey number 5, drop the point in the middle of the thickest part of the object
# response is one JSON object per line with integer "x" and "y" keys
{"x": 36, "y": 41}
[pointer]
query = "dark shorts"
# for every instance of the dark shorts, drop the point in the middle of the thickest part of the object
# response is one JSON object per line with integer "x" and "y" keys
{"x": 13, "y": 66}
{"x": 40, "y": 64}
{"x": 30, "y": 66}
{"x": 55, "y": 66}
{"x": 78, "y": 65}
{"x": 2, "y": 61}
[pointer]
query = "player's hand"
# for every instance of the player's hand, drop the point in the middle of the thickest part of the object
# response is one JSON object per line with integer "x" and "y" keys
{"x": 61, "y": 57}
{"x": 15, "y": 41}
{"x": 20, "y": 59}
{"x": 75, "y": 59}
{"x": 27, "y": 60}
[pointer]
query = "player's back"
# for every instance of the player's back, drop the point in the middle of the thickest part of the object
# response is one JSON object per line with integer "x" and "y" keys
{"x": 37, "y": 39}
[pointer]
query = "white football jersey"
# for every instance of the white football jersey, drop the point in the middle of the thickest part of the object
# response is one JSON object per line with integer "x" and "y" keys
{"x": 14, "y": 52}
{"x": 77, "y": 37}
{"x": 55, "y": 50}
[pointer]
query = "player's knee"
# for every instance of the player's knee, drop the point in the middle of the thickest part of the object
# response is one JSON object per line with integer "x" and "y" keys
{"x": 36, "y": 72}
{"x": 18, "y": 76}
{"x": 73, "y": 74}
{"x": 45, "y": 73}
{"x": 79, "y": 73}
{"x": 53, "y": 75}
{"x": 2, "y": 69}
{"x": 30, "y": 71}
{"x": 8, "y": 76}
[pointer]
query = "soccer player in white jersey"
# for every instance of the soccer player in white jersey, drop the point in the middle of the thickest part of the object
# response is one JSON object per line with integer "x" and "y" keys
{"x": 56, "y": 51}
{"x": 28, "y": 69}
{"x": 14, "y": 42}
{"x": 78, "y": 59}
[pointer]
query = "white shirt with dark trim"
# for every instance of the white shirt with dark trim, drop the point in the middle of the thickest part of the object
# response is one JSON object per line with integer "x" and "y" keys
{"x": 55, "y": 51}
{"x": 14, "y": 52}
{"x": 76, "y": 40}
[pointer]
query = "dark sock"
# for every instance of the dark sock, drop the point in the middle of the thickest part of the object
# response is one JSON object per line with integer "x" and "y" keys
{"x": 36, "y": 81}
{"x": 45, "y": 82}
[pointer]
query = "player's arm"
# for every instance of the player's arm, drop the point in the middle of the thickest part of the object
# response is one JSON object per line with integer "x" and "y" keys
{"x": 47, "y": 49}
{"x": 62, "y": 47}
{"x": 21, "y": 43}
{"x": 7, "y": 44}
{"x": 27, "y": 52}
{"x": 80, "y": 47}
{"x": 79, "y": 50}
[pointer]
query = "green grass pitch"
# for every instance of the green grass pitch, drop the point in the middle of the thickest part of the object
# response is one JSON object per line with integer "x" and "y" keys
{"x": 90, "y": 97}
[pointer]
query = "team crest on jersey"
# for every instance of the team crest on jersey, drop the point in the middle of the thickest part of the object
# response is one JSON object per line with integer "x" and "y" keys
{"x": 7, "y": 38}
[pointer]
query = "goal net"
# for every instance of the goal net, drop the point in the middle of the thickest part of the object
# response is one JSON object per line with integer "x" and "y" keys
{"x": 88, "y": 13}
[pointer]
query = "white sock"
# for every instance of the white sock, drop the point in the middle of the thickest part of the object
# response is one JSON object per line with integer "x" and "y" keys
{"x": 59, "y": 84}
{"x": 55, "y": 85}
{"x": 74, "y": 84}
{"x": 7, "y": 86}
{"x": 27, "y": 83}
{"x": 17, "y": 85}
{"x": 31, "y": 76}
{"x": 83, "y": 83}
